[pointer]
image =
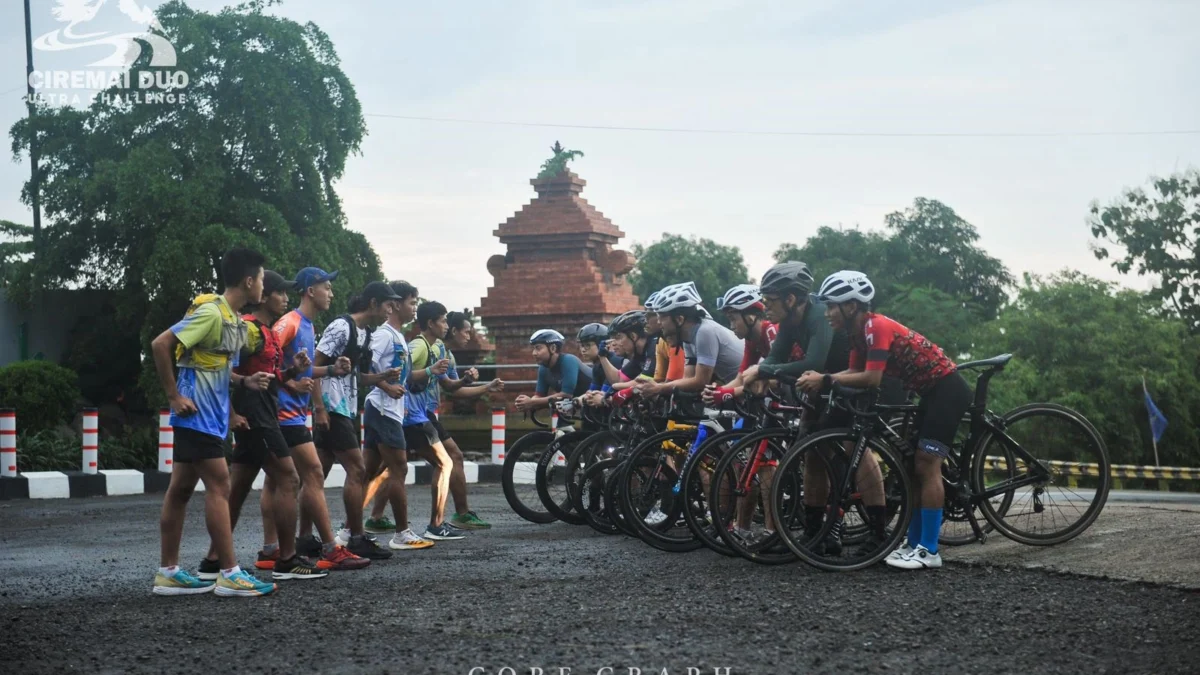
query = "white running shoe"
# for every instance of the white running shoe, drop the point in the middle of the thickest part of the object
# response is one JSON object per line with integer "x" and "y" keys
{"x": 342, "y": 538}
{"x": 408, "y": 541}
{"x": 919, "y": 559}
{"x": 904, "y": 551}
{"x": 655, "y": 517}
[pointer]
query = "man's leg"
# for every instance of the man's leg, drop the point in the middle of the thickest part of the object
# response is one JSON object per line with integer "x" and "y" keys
{"x": 174, "y": 508}
{"x": 437, "y": 458}
{"x": 215, "y": 474}
{"x": 458, "y": 476}
{"x": 241, "y": 479}
{"x": 266, "y": 506}
{"x": 352, "y": 492}
{"x": 312, "y": 492}
{"x": 282, "y": 472}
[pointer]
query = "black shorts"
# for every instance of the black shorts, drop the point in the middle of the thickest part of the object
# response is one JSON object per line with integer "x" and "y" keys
{"x": 443, "y": 435}
{"x": 421, "y": 436}
{"x": 253, "y": 445}
{"x": 341, "y": 435}
{"x": 379, "y": 429}
{"x": 941, "y": 412}
{"x": 296, "y": 435}
{"x": 197, "y": 446}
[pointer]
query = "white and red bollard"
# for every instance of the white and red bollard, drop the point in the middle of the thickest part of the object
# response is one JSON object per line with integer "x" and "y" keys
{"x": 553, "y": 421}
{"x": 308, "y": 422}
{"x": 498, "y": 421}
{"x": 91, "y": 440}
{"x": 166, "y": 441}
{"x": 8, "y": 443}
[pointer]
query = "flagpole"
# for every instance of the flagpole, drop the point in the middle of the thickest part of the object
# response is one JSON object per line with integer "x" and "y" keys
{"x": 1153, "y": 440}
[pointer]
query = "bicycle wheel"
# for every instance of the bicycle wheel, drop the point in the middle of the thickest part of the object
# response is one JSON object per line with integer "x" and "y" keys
{"x": 520, "y": 473}
{"x": 821, "y": 461}
{"x": 1057, "y": 467}
{"x": 740, "y": 499}
{"x": 599, "y": 446}
{"x": 598, "y": 514}
{"x": 551, "y": 478}
{"x": 613, "y": 483}
{"x": 698, "y": 473}
{"x": 654, "y": 508}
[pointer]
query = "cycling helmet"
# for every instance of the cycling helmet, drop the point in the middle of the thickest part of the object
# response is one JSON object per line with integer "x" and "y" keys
{"x": 651, "y": 300}
{"x": 677, "y": 296}
{"x": 547, "y": 336}
{"x": 630, "y": 322}
{"x": 788, "y": 277}
{"x": 740, "y": 298}
{"x": 593, "y": 332}
{"x": 846, "y": 285}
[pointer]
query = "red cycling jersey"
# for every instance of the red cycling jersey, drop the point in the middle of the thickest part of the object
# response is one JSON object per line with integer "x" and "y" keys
{"x": 899, "y": 352}
{"x": 758, "y": 347}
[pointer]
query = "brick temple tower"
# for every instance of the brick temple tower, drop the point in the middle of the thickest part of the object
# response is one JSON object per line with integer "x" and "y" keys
{"x": 561, "y": 271}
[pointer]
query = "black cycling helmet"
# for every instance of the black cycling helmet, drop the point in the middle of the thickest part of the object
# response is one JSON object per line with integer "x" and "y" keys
{"x": 593, "y": 332}
{"x": 630, "y": 322}
{"x": 788, "y": 277}
{"x": 547, "y": 336}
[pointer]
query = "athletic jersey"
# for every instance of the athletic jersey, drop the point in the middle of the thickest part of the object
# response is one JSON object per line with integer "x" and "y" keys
{"x": 711, "y": 344}
{"x": 260, "y": 355}
{"x": 600, "y": 377}
{"x": 295, "y": 332}
{"x": 211, "y": 337}
{"x": 662, "y": 359}
{"x": 758, "y": 348}
{"x": 423, "y": 399}
{"x": 899, "y": 352}
{"x": 643, "y": 365}
{"x": 389, "y": 349}
{"x": 340, "y": 393}
{"x": 812, "y": 345}
{"x": 567, "y": 376}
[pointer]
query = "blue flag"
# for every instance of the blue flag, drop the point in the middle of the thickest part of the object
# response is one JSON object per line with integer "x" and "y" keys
{"x": 1158, "y": 421}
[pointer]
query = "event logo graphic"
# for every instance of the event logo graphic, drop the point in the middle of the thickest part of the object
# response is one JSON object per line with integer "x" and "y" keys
{"x": 118, "y": 51}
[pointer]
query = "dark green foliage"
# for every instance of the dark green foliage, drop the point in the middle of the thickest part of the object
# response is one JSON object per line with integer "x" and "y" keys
{"x": 45, "y": 395}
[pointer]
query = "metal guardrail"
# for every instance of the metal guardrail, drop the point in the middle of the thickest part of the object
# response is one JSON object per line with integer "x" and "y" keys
{"x": 1116, "y": 470}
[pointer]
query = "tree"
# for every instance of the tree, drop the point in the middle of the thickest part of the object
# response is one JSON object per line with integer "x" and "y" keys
{"x": 143, "y": 198}
{"x": 675, "y": 259}
{"x": 16, "y": 248}
{"x": 1159, "y": 232}
{"x": 1083, "y": 343}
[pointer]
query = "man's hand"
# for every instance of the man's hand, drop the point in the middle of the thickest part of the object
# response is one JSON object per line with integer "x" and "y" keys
{"x": 750, "y": 374}
{"x": 391, "y": 374}
{"x": 392, "y": 390}
{"x": 471, "y": 375}
{"x": 258, "y": 381}
{"x": 342, "y": 366}
{"x": 440, "y": 367}
{"x": 811, "y": 382}
{"x": 520, "y": 403}
{"x": 238, "y": 423}
{"x": 301, "y": 362}
{"x": 495, "y": 386}
{"x": 320, "y": 419}
{"x": 707, "y": 394}
{"x": 650, "y": 388}
{"x": 594, "y": 399}
{"x": 182, "y": 405}
{"x": 303, "y": 385}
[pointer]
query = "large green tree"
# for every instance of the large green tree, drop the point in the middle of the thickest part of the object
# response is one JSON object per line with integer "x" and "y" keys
{"x": 1159, "y": 231}
{"x": 676, "y": 259}
{"x": 16, "y": 248}
{"x": 1086, "y": 344}
{"x": 143, "y": 198}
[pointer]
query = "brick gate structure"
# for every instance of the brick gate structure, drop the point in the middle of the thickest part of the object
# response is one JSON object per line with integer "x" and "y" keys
{"x": 561, "y": 271}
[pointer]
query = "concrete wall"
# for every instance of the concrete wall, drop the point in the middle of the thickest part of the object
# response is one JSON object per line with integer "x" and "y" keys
{"x": 47, "y": 324}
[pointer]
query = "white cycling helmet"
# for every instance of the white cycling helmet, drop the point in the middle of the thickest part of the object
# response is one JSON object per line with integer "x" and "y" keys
{"x": 677, "y": 296}
{"x": 651, "y": 300}
{"x": 740, "y": 297}
{"x": 846, "y": 285}
{"x": 547, "y": 336}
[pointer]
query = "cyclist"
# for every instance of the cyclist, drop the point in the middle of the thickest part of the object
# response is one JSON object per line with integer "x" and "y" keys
{"x": 562, "y": 373}
{"x": 744, "y": 308}
{"x": 881, "y": 346}
{"x": 712, "y": 351}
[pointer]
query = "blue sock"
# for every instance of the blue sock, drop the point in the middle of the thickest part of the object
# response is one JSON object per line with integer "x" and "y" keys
{"x": 931, "y": 527}
{"x": 914, "y": 529}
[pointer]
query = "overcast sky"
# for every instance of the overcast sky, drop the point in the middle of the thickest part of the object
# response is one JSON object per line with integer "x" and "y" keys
{"x": 428, "y": 194}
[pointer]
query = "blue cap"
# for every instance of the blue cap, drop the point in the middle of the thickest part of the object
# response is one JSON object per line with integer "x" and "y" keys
{"x": 311, "y": 276}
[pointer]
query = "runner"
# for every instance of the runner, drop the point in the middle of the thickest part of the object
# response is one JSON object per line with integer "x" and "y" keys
{"x": 259, "y": 442}
{"x": 335, "y": 417}
{"x": 295, "y": 333}
{"x": 880, "y": 346}
{"x": 559, "y": 375}
{"x": 205, "y": 345}
{"x": 712, "y": 351}
{"x": 383, "y": 422}
{"x": 420, "y": 431}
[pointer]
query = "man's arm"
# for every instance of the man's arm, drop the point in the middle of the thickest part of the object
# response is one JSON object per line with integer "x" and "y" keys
{"x": 815, "y": 352}
{"x": 163, "y": 347}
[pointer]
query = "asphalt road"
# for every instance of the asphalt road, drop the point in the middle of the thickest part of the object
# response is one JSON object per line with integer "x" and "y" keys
{"x": 75, "y": 579}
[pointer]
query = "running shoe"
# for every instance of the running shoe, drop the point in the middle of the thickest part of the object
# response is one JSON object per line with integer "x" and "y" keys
{"x": 443, "y": 532}
{"x": 243, "y": 585}
{"x": 469, "y": 521}
{"x": 342, "y": 538}
{"x": 408, "y": 541}
{"x": 921, "y": 558}
{"x": 366, "y": 547}
{"x": 902, "y": 552}
{"x": 209, "y": 570}
{"x": 382, "y": 525}
{"x": 297, "y": 567}
{"x": 339, "y": 559}
{"x": 308, "y": 546}
{"x": 266, "y": 561}
{"x": 655, "y": 517}
{"x": 180, "y": 583}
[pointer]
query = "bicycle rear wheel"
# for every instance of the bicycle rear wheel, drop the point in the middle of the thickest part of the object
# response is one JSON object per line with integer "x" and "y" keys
{"x": 597, "y": 512}
{"x": 698, "y": 483}
{"x": 552, "y": 477}
{"x": 519, "y": 475}
{"x": 654, "y": 508}
{"x": 740, "y": 498}
{"x": 1058, "y": 467}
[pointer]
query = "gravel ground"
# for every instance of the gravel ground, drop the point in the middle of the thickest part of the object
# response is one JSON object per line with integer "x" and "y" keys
{"x": 75, "y": 578}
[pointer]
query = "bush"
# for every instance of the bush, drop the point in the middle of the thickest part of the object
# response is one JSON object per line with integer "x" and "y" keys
{"x": 44, "y": 394}
{"x": 137, "y": 448}
{"x": 49, "y": 450}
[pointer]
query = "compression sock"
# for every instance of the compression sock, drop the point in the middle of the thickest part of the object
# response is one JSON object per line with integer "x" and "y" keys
{"x": 877, "y": 518}
{"x": 914, "y": 528}
{"x": 931, "y": 527}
